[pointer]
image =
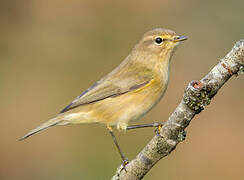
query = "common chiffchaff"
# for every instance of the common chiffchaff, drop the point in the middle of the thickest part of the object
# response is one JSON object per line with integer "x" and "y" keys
{"x": 129, "y": 91}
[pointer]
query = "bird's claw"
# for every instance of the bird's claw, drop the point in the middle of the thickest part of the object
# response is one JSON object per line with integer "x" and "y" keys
{"x": 124, "y": 163}
{"x": 157, "y": 131}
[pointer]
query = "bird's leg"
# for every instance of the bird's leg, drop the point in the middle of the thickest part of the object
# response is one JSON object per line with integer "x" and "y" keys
{"x": 124, "y": 159}
{"x": 155, "y": 124}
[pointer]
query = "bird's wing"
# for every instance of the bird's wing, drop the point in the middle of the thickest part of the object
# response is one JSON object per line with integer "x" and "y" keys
{"x": 108, "y": 88}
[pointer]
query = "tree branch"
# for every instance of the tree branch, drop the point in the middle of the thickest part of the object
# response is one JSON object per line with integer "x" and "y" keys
{"x": 197, "y": 95}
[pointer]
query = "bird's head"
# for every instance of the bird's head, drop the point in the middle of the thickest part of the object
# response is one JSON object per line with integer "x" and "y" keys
{"x": 160, "y": 42}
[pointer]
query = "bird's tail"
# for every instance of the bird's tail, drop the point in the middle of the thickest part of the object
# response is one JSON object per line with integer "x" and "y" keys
{"x": 50, "y": 123}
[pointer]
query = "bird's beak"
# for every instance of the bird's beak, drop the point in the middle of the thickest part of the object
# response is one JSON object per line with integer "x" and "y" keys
{"x": 180, "y": 38}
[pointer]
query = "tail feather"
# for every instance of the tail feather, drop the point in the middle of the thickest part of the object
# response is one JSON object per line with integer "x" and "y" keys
{"x": 50, "y": 123}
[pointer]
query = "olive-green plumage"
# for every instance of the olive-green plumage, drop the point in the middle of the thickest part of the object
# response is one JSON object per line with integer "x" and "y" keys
{"x": 129, "y": 91}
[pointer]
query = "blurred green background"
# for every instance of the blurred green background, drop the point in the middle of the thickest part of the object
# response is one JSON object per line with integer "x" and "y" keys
{"x": 51, "y": 51}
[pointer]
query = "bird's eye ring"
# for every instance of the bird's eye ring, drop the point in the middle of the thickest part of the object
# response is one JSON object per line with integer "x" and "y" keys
{"x": 158, "y": 40}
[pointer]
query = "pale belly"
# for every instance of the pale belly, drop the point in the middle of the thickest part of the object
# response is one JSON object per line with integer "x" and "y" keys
{"x": 116, "y": 111}
{"x": 131, "y": 107}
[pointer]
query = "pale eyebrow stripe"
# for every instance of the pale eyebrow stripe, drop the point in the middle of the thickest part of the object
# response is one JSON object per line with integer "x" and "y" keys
{"x": 149, "y": 38}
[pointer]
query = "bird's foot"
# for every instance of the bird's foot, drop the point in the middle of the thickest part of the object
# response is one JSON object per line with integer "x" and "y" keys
{"x": 124, "y": 163}
{"x": 157, "y": 131}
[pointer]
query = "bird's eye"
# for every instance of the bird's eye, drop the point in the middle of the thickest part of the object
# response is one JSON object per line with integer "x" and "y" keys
{"x": 158, "y": 40}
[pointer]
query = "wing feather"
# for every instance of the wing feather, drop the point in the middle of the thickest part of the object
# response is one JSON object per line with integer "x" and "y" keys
{"x": 105, "y": 88}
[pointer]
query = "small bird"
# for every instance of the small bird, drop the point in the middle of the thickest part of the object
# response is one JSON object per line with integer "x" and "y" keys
{"x": 126, "y": 93}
